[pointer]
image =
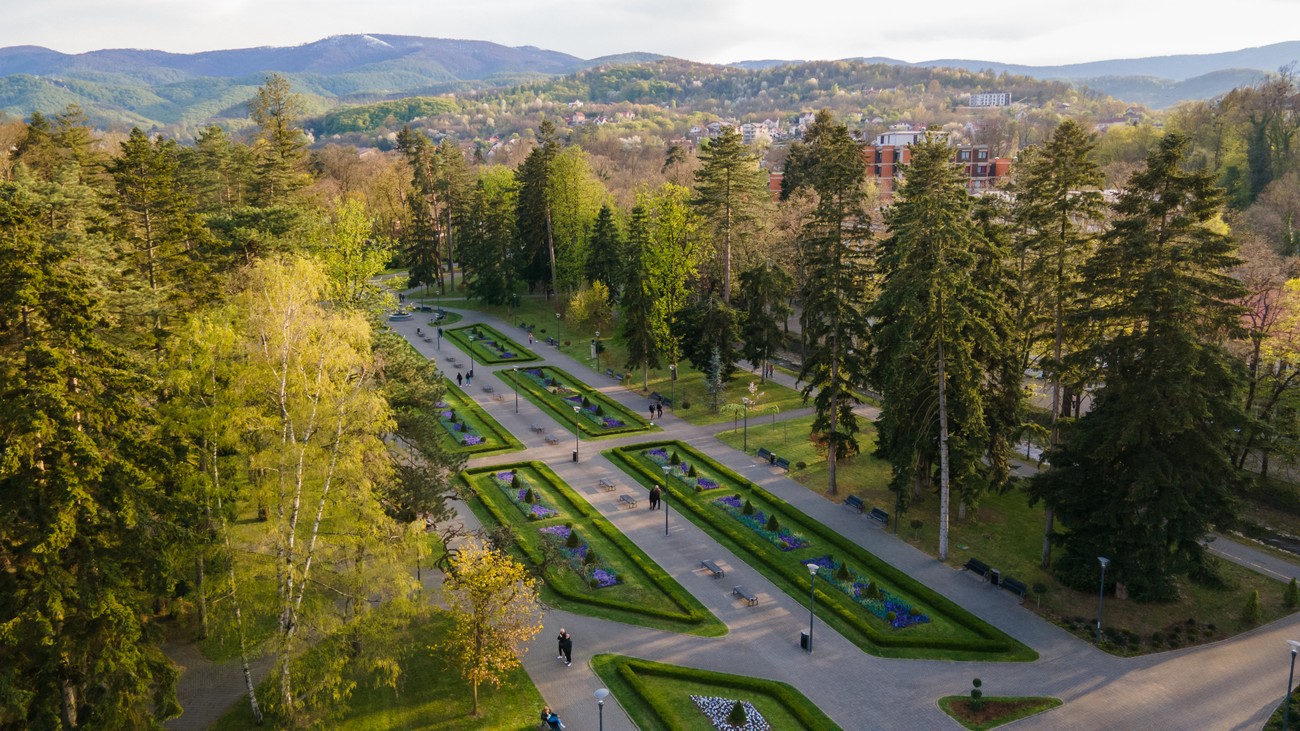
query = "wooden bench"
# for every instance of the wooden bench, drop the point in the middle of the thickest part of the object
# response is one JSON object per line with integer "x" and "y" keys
{"x": 609, "y": 372}
{"x": 488, "y": 388}
{"x": 628, "y": 498}
{"x": 553, "y": 342}
{"x": 606, "y": 485}
{"x": 458, "y": 366}
{"x": 450, "y": 359}
{"x": 782, "y": 462}
{"x": 538, "y": 428}
{"x": 763, "y": 453}
{"x": 1015, "y": 586}
{"x": 979, "y": 568}
{"x": 713, "y": 568}
{"x": 855, "y": 502}
{"x": 552, "y": 439}
{"x": 880, "y": 515}
{"x": 498, "y": 397}
{"x": 745, "y": 594}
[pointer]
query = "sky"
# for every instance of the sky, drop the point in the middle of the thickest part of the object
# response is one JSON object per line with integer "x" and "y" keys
{"x": 1036, "y": 32}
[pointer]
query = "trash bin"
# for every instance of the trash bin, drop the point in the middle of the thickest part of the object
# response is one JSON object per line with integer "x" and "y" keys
{"x": 995, "y": 577}
{"x": 575, "y": 455}
{"x": 803, "y": 640}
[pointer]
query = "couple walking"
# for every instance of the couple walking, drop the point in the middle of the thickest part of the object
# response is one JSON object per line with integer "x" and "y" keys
{"x": 656, "y": 498}
{"x": 565, "y": 641}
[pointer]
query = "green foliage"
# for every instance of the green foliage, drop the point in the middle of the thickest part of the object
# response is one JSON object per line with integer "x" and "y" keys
{"x": 976, "y": 695}
{"x": 747, "y": 508}
{"x": 842, "y": 573}
{"x": 773, "y": 524}
{"x": 1251, "y": 614}
{"x": 1291, "y": 597}
{"x": 389, "y": 114}
{"x": 737, "y": 716}
{"x": 573, "y": 541}
{"x": 692, "y": 472}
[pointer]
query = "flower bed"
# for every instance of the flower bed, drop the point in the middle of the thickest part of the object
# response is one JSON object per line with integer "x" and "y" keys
{"x": 882, "y": 603}
{"x": 522, "y": 495}
{"x": 560, "y": 393}
{"x": 473, "y": 431}
{"x": 758, "y": 522}
{"x": 600, "y": 576}
{"x": 489, "y": 345}
{"x": 461, "y": 432}
{"x": 718, "y": 709}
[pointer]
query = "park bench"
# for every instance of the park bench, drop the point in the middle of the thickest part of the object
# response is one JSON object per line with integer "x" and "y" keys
{"x": 609, "y": 373}
{"x": 537, "y": 428}
{"x": 713, "y": 568}
{"x": 782, "y": 462}
{"x": 763, "y": 453}
{"x": 628, "y": 498}
{"x": 487, "y": 388}
{"x": 553, "y": 342}
{"x": 606, "y": 485}
{"x": 552, "y": 439}
{"x": 458, "y": 366}
{"x": 978, "y": 567}
{"x": 1015, "y": 586}
{"x": 880, "y": 515}
{"x": 451, "y": 359}
{"x": 745, "y": 594}
{"x": 498, "y": 397}
{"x": 855, "y": 502}
{"x": 659, "y": 397}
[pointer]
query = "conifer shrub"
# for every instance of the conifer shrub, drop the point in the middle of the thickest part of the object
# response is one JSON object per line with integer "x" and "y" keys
{"x": 572, "y": 541}
{"x": 1291, "y": 597}
{"x": 747, "y": 508}
{"x": 772, "y": 523}
{"x": 1251, "y": 614}
{"x": 737, "y": 716}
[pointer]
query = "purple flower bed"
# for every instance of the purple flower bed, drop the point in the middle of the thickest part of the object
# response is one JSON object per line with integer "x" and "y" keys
{"x": 612, "y": 423}
{"x": 472, "y": 440}
{"x": 459, "y": 430}
{"x": 707, "y": 484}
{"x": 603, "y": 576}
{"x": 783, "y": 538}
{"x": 904, "y": 614}
{"x": 556, "y": 531}
{"x": 541, "y": 511}
{"x": 535, "y": 510}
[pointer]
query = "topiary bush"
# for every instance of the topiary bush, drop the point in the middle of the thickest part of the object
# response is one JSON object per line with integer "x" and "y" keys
{"x": 529, "y": 497}
{"x": 737, "y": 717}
{"x": 842, "y": 573}
{"x": 691, "y": 472}
{"x": 747, "y": 508}
{"x": 674, "y": 459}
{"x": 976, "y": 695}
{"x": 514, "y": 480}
{"x": 572, "y": 541}
{"x": 800, "y": 465}
{"x": 1250, "y": 614}
{"x": 773, "y": 524}
{"x": 1291, "y": 597}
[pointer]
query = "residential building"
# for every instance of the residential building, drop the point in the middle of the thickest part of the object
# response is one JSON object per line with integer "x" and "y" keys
{"x": 990, "y": 99}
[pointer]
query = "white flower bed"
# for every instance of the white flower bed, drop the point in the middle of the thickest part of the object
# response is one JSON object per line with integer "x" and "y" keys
{"x": 717, "y": 709}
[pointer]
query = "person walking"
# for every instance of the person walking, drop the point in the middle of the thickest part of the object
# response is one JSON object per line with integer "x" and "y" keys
{"x": 559, "y": 639}
{"x": 459, "y": 381}
{"x": 655, "y": 495}
{"x": 652, "y": 409}
{"x": 566, "y": 647}
{"x": 660, "y": 409}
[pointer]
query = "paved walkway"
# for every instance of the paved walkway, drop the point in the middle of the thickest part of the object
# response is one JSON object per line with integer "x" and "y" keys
{"x": 1232, "y": 684}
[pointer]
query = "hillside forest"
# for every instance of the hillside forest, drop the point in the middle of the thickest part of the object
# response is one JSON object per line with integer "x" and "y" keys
{"x": 207, "y": 424}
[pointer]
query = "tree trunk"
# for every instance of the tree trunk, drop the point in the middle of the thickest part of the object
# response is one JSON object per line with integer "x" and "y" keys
{"x": 943, "y": 448}
{"x": 69, "y": 707}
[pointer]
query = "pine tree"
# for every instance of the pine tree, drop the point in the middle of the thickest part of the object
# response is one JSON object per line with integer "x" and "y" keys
{"x": 1058, "y": 208}
{"x": 281, "y": 145}
{"x": 765, "y": 291}
{"x": 708, "y": 328}
{"x": 1142, "y": 476}
{"x": 729, "y": 188}
{"x": 534, "y": 211}
{"x": 636, "y": 321}
{"x": 489, "y": 253}
{"x": 832, "y": 251}
{"x": 606, "y": 257}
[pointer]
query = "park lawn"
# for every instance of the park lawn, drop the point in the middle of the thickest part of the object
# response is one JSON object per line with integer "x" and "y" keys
{"x": 942, "y": 629}
{"x": 996, "y": 711}
{"x": 658, "y": 696}
{"x": 556, "y": 392}
{"x": 482, "y": 350}
{"x": 1006, "y": 533}
{"x": 645, "y": 595}
{"x": 496, "y": 438}
{"x": 431, "y": 694}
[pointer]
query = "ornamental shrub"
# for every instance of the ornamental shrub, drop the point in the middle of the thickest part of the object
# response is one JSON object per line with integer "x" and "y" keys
{"x": 686, "y": 404}
{"x": 976, "y": 695}
{"x": 586, "y": 402}
{"x": 773, "y": 524}
{"x": 748, "y": 508}
{"x": 674, "y": 459}
{"x": 590, "y": 558}
{"x": 691, "y": 472}
{"x": 572, "y": 541}
{"x": 529, "y": 497}
{"x": 1250, "y": 614}
{"x": 842, "y": 573}
{"x": 737, "y": 717}
{"x": 1291, "y": 597}
{"x": 800, "y": 465}
{"x": 600, "y": 410}
{"x": 890, "y": 616}
{"x": 514, "y": 482}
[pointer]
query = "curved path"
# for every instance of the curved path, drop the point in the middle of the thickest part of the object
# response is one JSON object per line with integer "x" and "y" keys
{"x": 1233, "y": 684}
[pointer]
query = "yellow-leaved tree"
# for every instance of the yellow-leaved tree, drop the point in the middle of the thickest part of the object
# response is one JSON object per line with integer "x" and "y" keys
{"x": 493, "y": 601}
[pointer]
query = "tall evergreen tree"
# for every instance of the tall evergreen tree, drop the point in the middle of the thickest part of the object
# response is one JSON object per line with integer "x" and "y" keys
{"x": 1058, "y": 210}
{"x": 281, "y": 145}
{"x": 420, "y": 239}
{"x": 708, "y": 330}
{"x": 489, "y": 253}
{"x": 729, "y": 187}
{"x": 534, "y": 211}
{"x": 1146, "y": 471}
{"x": 833, "y": 246}
{"x": 637, "y": 314}
{"x": 605, "y": 251}
{"x": 938, "y": 323}
{"x": 765, "y": 291}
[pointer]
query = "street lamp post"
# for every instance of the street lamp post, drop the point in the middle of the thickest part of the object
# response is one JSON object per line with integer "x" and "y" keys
{"x": 577, "y": 410}
{"x": 1286, "y": 709}
{"x": 595, "y": 345}
{"x": 471, "y": 355}
{"x": 745, "y": 401}
{"x": 601, "y": 694}
{"x": 1101, "y": 593}
{"x": 668, "y": 470}
{"x": 516, "y": 382}
{"x": 812, "y": 599}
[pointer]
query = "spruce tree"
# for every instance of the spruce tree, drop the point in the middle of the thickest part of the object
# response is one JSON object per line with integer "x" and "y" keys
{"x": 534, "y": 211}
{"x": 606, "y": 257}
{"x": 489, "y": 253}
{"x": 832, "y": 252}
{"x": 636, "y": 321}
{"x": 729, "y": 189}
{"x": 765, "y": 290}
{"x": 1144, "y": 474}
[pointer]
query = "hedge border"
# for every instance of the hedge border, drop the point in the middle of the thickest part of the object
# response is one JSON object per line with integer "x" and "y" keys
{"x": 988, "y": 641}
{"x": 461, "y": 339}
{"x": 691, "y": 612}
{"x": 631, "y": 670}
{"x": 1048, "y": 703}
{"x": 546, "y": 402}
{"x": 463, "y": 402}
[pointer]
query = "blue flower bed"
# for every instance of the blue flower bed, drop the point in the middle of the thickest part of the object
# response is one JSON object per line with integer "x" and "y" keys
{"x": 463, "y": 433}
{"x": 757, "y": 522}
{"x": 535, "y": 510}
{"x": 601, "y": 576}
{"x": 904, "y": 614}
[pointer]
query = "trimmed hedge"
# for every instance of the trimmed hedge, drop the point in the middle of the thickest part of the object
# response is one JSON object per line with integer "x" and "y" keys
{"x": 866, "y": 633}
{"x": 632, "y": 670}
{"x": 497, "y": 438}
{"x": 560, "y": 410}
{"x": 460, "y": 336}
{"x": 688, "y": 611}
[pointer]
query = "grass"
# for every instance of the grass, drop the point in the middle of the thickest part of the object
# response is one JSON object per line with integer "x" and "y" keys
{"x": 658, "y": 696}
{"x": 551, "y": 389}
{"x": 508, "y": 351}
{"x": 496, "y": 438}
{"x": 995, "y": 711}
{"x": 950, "y": 632}
{"x": 1005, "y": 532}
{"x": 646, "y": 596}
{"x": 430, "y": 696}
